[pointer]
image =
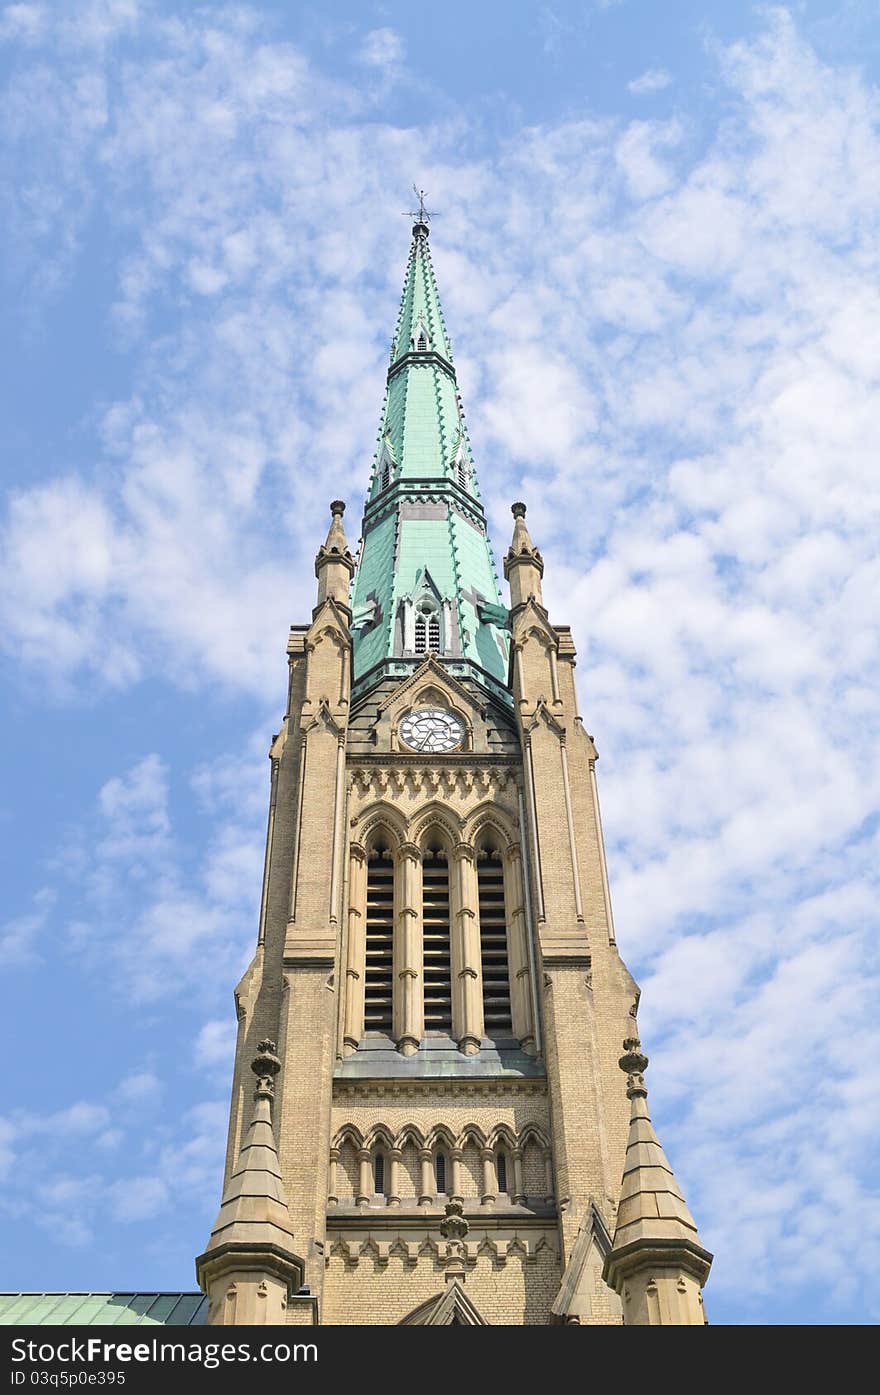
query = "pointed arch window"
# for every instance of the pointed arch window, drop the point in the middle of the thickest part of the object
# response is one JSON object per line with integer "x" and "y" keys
{"x": 387, "y": 463}
{"x": 428, "y": 634}
{"x": 440, "y": 1170}
{"x": 378, "y": 975}
{"x": 436, "y": 950}
{"x": 379, "y": 1174}
{"x": 493, "y": 942}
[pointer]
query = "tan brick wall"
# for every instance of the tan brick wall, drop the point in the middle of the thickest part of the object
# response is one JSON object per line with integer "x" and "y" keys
{"x": 453, "y": 1109}
{"x": 518, "y": 1291}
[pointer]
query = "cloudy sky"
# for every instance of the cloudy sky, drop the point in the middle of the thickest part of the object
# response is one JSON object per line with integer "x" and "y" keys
{"x": 657, "y": 245}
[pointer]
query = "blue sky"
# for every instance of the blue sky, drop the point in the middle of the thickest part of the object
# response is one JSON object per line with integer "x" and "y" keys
{"x": 657, "y": 245}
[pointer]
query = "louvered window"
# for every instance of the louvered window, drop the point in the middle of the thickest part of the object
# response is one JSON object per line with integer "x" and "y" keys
{"x": 434, "y": 632}
{"x": 435, "y": 931}
{"x": 502, "y": 1172}
{"x": 379, "y": 1174}
{"x": 440, "y": 1166}
{"x": 462, "y": 473}
{"x": 421, "y": 634}
{"x": 493, "y": 945}
{"x": 378, "y": 983}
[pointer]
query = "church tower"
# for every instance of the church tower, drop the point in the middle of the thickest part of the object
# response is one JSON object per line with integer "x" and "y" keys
{"x": 436, "y": 1006}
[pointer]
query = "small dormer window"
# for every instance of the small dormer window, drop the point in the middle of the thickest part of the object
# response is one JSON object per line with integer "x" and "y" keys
{"x": 427, "y": 628}
{"x": 387, "y": 463}
{"x": 422, "y": 342}
{"x": 424, "y": 621}
{"x": 461, "y": 471}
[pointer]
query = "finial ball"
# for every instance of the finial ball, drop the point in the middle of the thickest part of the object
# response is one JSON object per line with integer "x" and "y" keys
{"x": 518, "y": 510}
{"x": 633, "y": 1060}
{"x": 266, "y": 1063}
{"x": 337, "y": 508}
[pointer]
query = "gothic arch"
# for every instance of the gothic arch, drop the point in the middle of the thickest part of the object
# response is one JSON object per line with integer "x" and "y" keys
{"x": 487, "y": 815}
{"x": 410, "y": 1133}
{"x": 533, "y": 1133}
{"x": 339, "y": 639}
{"x": 348, "y": 1133}
{"x": 471, "y": 1133}
{"x": 384, "y": 816}
{"x": 436, "y": 815}
{"x": 379, "y": 1136}
{"x": 502, "y": 1136}
{"x": 542, "y": 636}
{"x": 441, "y": 1136}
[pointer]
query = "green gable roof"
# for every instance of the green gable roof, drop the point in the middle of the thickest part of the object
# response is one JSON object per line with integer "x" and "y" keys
{"x": 424, "y": 528}
{"x": 103, "y": 1309}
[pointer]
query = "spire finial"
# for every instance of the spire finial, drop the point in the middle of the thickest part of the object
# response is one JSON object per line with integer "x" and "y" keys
{"x": 265, "y": 1067}
{"x": 334, "y": 563}
{"x": 421, "y": 218}
{"x": 634, "y": 1062}
{"x": 523, "y": 565}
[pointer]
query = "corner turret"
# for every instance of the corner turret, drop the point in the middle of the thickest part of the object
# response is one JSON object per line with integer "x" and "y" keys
{"x": 656, "y": 1262}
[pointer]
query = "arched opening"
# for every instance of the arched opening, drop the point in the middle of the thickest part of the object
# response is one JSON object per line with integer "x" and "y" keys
{"x": 379, "y": 1174}
{"x": 440, "y": 1171}
{"x": 427, "y": 630}
{"x": 379, "y": 968}
{"x": 437, "y": 959}
{"x": 493, "y": 940}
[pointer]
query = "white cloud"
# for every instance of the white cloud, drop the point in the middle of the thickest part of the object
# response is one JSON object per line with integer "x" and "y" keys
{"x": 139, "y": 1088}
{"x": 138, "y": 1198}
{"x": 19, "y": 937}
{"x": 190, "y": 927}
{"x": 651, "y": 81}
{"x": 381, "y": 48}
{"x": 635, "y": 153}
{"x": 215, "y": 1044}
{"x": 25, "y": 23}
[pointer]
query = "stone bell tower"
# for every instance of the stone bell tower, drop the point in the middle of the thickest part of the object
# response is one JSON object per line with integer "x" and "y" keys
{"x": 436, "y": 1005}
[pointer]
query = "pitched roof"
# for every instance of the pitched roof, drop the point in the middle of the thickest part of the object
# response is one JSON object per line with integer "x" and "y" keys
{"x": 103, "y": 1309}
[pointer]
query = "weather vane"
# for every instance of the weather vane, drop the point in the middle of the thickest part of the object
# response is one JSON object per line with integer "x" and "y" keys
{"x": 423, "y": 216}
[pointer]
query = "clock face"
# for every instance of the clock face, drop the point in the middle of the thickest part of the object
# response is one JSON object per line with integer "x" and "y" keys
{"x": 432, "y": 729}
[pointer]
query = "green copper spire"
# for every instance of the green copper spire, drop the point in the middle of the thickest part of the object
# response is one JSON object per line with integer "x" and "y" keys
{"x": 426, "y": 579}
